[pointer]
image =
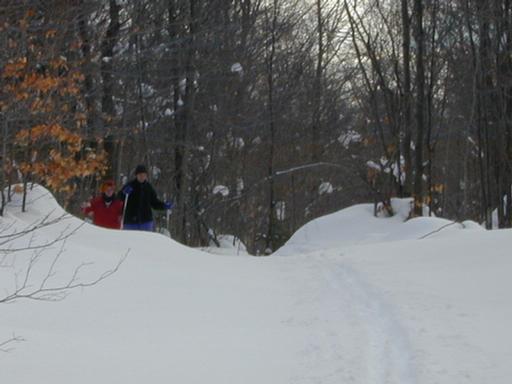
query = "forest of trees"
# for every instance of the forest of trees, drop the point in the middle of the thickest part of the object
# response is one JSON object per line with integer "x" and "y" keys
{"x": 256, "y": 116}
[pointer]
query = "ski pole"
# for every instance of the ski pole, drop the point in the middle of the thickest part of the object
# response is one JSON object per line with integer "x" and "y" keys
{"x": 124, "y": 208}
{"x": 167, "y": 214}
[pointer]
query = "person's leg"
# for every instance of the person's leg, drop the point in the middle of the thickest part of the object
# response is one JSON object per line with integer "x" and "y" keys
{"x": 131, "y": 227}
{"x": 147, "y": 226}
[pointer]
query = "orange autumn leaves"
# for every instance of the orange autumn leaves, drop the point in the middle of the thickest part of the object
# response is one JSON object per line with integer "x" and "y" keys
{"x": 41, "y": 83}
{"x": 42, "y": 95}
{"x": 56, "y": 156}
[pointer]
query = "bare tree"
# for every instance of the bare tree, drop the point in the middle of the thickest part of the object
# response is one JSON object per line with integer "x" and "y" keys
{"x": 30, "y": 266}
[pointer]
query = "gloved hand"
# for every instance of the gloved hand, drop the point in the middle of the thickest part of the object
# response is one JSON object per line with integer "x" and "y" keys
{"x": 128, "y": 189}
{"x": 168, "y": 205}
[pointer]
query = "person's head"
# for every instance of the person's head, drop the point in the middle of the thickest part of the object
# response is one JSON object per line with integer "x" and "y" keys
{"x": 108, "y": 188}
{"x": 141, "y": 173}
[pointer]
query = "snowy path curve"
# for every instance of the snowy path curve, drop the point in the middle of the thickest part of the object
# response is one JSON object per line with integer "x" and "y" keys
{"x": 386, "y": 353}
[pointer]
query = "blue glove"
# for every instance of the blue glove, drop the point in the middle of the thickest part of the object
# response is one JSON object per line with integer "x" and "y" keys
{"x": 128, "y": 189}
{"x": 168, "y": 205}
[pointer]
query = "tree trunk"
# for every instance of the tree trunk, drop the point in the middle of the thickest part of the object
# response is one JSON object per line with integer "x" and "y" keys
{"x": 420, "y": 107}
{"x": 317, "y": 95}
{"x": 183, "y": 113}
{"x": 269, "y": 240}
{"x": 407, "y": 97}
{"x": 107, "y": 100}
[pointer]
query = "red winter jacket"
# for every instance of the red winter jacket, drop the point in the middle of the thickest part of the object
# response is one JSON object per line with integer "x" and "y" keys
{"x": 106, "y": 216}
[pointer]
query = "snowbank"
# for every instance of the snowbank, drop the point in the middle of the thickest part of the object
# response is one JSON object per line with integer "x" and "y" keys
{"x": 357, "y": 225}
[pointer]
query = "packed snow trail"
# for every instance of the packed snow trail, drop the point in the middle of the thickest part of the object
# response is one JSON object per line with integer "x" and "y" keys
{"x": 389, "y": 355}
{"x": 363, "y": 341}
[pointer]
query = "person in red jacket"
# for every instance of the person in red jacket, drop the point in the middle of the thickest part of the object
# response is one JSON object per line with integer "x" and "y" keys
{"x": 105, "y": 209}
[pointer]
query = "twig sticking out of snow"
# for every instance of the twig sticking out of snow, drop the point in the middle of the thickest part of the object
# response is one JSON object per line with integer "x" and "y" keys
{"x": 440, "y": 229}
{"x": 5, "y": 346}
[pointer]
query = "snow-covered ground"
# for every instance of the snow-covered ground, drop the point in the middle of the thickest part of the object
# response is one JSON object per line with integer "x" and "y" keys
{"x": 357, "y": 300}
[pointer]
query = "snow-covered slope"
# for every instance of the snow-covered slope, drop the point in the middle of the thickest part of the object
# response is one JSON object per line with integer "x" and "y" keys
{"x": 411, "y": 311}
{"x": 357, "y": 225}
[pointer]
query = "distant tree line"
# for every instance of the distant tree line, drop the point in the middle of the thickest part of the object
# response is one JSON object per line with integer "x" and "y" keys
{"x": 257, "y": 116}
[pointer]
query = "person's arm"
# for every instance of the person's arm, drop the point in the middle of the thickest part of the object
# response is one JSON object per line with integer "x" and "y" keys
{"x": 89, "y": 208}
{"x": 120, "y": 195}
{"x": 155, "y": 202}
{"x": 119, "y": 209}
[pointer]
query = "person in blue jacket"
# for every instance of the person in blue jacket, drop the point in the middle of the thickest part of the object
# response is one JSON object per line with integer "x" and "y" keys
{"x": 140, "y": 198}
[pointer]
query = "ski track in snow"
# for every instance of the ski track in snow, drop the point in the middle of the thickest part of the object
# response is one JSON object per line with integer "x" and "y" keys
{"x": 387, "y": 350}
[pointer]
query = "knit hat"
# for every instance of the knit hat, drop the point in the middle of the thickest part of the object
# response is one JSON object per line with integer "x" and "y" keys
{"x": 141, "y": 168}
{"x": 106, "y": 185}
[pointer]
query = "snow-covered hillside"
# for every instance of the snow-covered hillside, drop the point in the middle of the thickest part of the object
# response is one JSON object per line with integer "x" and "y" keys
{"x": 357, "y": 225}
{"x": 358, "y": 300}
